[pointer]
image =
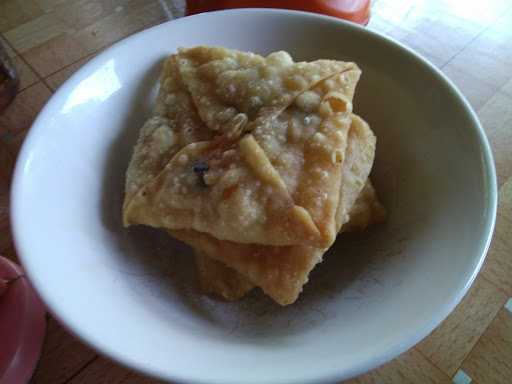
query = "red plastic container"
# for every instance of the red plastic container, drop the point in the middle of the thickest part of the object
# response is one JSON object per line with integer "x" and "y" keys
{"x": 22, "y": 326}
{"x": 357, "y": 11}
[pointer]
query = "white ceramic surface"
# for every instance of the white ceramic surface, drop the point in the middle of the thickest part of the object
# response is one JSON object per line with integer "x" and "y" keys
{"x": 132, "y": 294}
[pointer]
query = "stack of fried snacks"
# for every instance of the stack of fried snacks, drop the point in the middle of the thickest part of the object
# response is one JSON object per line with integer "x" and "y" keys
{"x": 255, "y": 162}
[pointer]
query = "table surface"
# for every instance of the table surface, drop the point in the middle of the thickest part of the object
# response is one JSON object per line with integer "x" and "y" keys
{"x": 471, "y": 41}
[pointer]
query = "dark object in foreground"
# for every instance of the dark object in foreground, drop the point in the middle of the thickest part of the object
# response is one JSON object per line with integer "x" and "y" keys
{"x": 9, "y": 80}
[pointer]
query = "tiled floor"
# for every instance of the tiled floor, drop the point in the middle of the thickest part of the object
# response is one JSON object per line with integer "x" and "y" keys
{"x": 471, "y": 41}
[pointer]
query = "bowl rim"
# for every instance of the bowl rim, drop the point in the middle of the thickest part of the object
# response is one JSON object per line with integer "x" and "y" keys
{"x": 335, "y": 373}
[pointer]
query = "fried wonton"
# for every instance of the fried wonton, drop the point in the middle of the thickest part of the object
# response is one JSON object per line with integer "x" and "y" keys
{"x": 366, "y": 211}
{"x": 358, "y": 164}
{"x": 218, "y": 279}
{"x": 281, "y": 271}
{"x": 174, "y": 124}
{"x": 224, "y": 82}
{"x": 256, "y": 162}
{"x": 272, "y": 175}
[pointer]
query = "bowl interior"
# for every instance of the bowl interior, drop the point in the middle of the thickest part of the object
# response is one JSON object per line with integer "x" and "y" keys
{"x": 132, "y": 293}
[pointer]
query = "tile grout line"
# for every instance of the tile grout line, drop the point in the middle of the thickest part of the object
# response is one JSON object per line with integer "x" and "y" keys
{"x": 89, "y": 54}
{"x": 484, "y": 331}
{"x": 127, "y": 376}
{"x": 430, "y": 361}
{"x": 471, "y": 350}
{"x": 4, "y": 39}
{"x": 495, "y": 285}
{"x": 464, "y": 47}
{"x": 47, "y": 86}
{"x": 13, "y": 136}
{"x": 485, "y": 29}
{"x": 38, "y": 75}
{"x": 18, "y": 54}
{"x": 72, "y": 63}
{"x": 43, "y": 78}
{"x": 79, "y": 371}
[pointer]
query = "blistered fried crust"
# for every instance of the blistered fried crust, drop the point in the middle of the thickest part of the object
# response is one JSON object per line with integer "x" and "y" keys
{"x": 174, "y": 124}
{"x": 224, "y": 82}
{"x": 254, "y": 161}
{"x": 216, "y": 278}
{"x": 273, "y": 174}
{"x": 366, "y": 211}
{"x": 281, "y": 271}
{"x": 359, "y": 161}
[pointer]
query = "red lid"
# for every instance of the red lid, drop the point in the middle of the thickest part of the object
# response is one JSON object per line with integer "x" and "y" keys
{"x": 357, "y": 11}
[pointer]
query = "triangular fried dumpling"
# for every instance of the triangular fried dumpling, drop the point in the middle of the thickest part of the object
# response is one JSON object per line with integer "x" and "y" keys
{"x": 227, "y": 83}
{"x": 358, "y": 164}
{"x": 281, "y": 271}
{"x": 278, "y": 185}
{"x": 217, "y": 278}
{"x": 174, "y": 124}
{"x": 366, "y": 211}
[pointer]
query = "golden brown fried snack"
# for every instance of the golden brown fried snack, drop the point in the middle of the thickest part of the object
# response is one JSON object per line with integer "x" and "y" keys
{"x": 215, "y": 278}
{"x": 277, "y": 185}
{"x": 174, "y": 125}
{"x": 366, "y": 211}
{"x": 219, "y": 279}
{"x": 245, "y": 156}
{"x": 281, "y": 271}
{"x": 359, "y": 161}
{"x": 225, "y": 83}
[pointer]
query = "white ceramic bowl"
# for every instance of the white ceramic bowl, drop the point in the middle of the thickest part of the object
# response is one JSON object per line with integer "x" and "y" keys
{"x": 132, "y": 294}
